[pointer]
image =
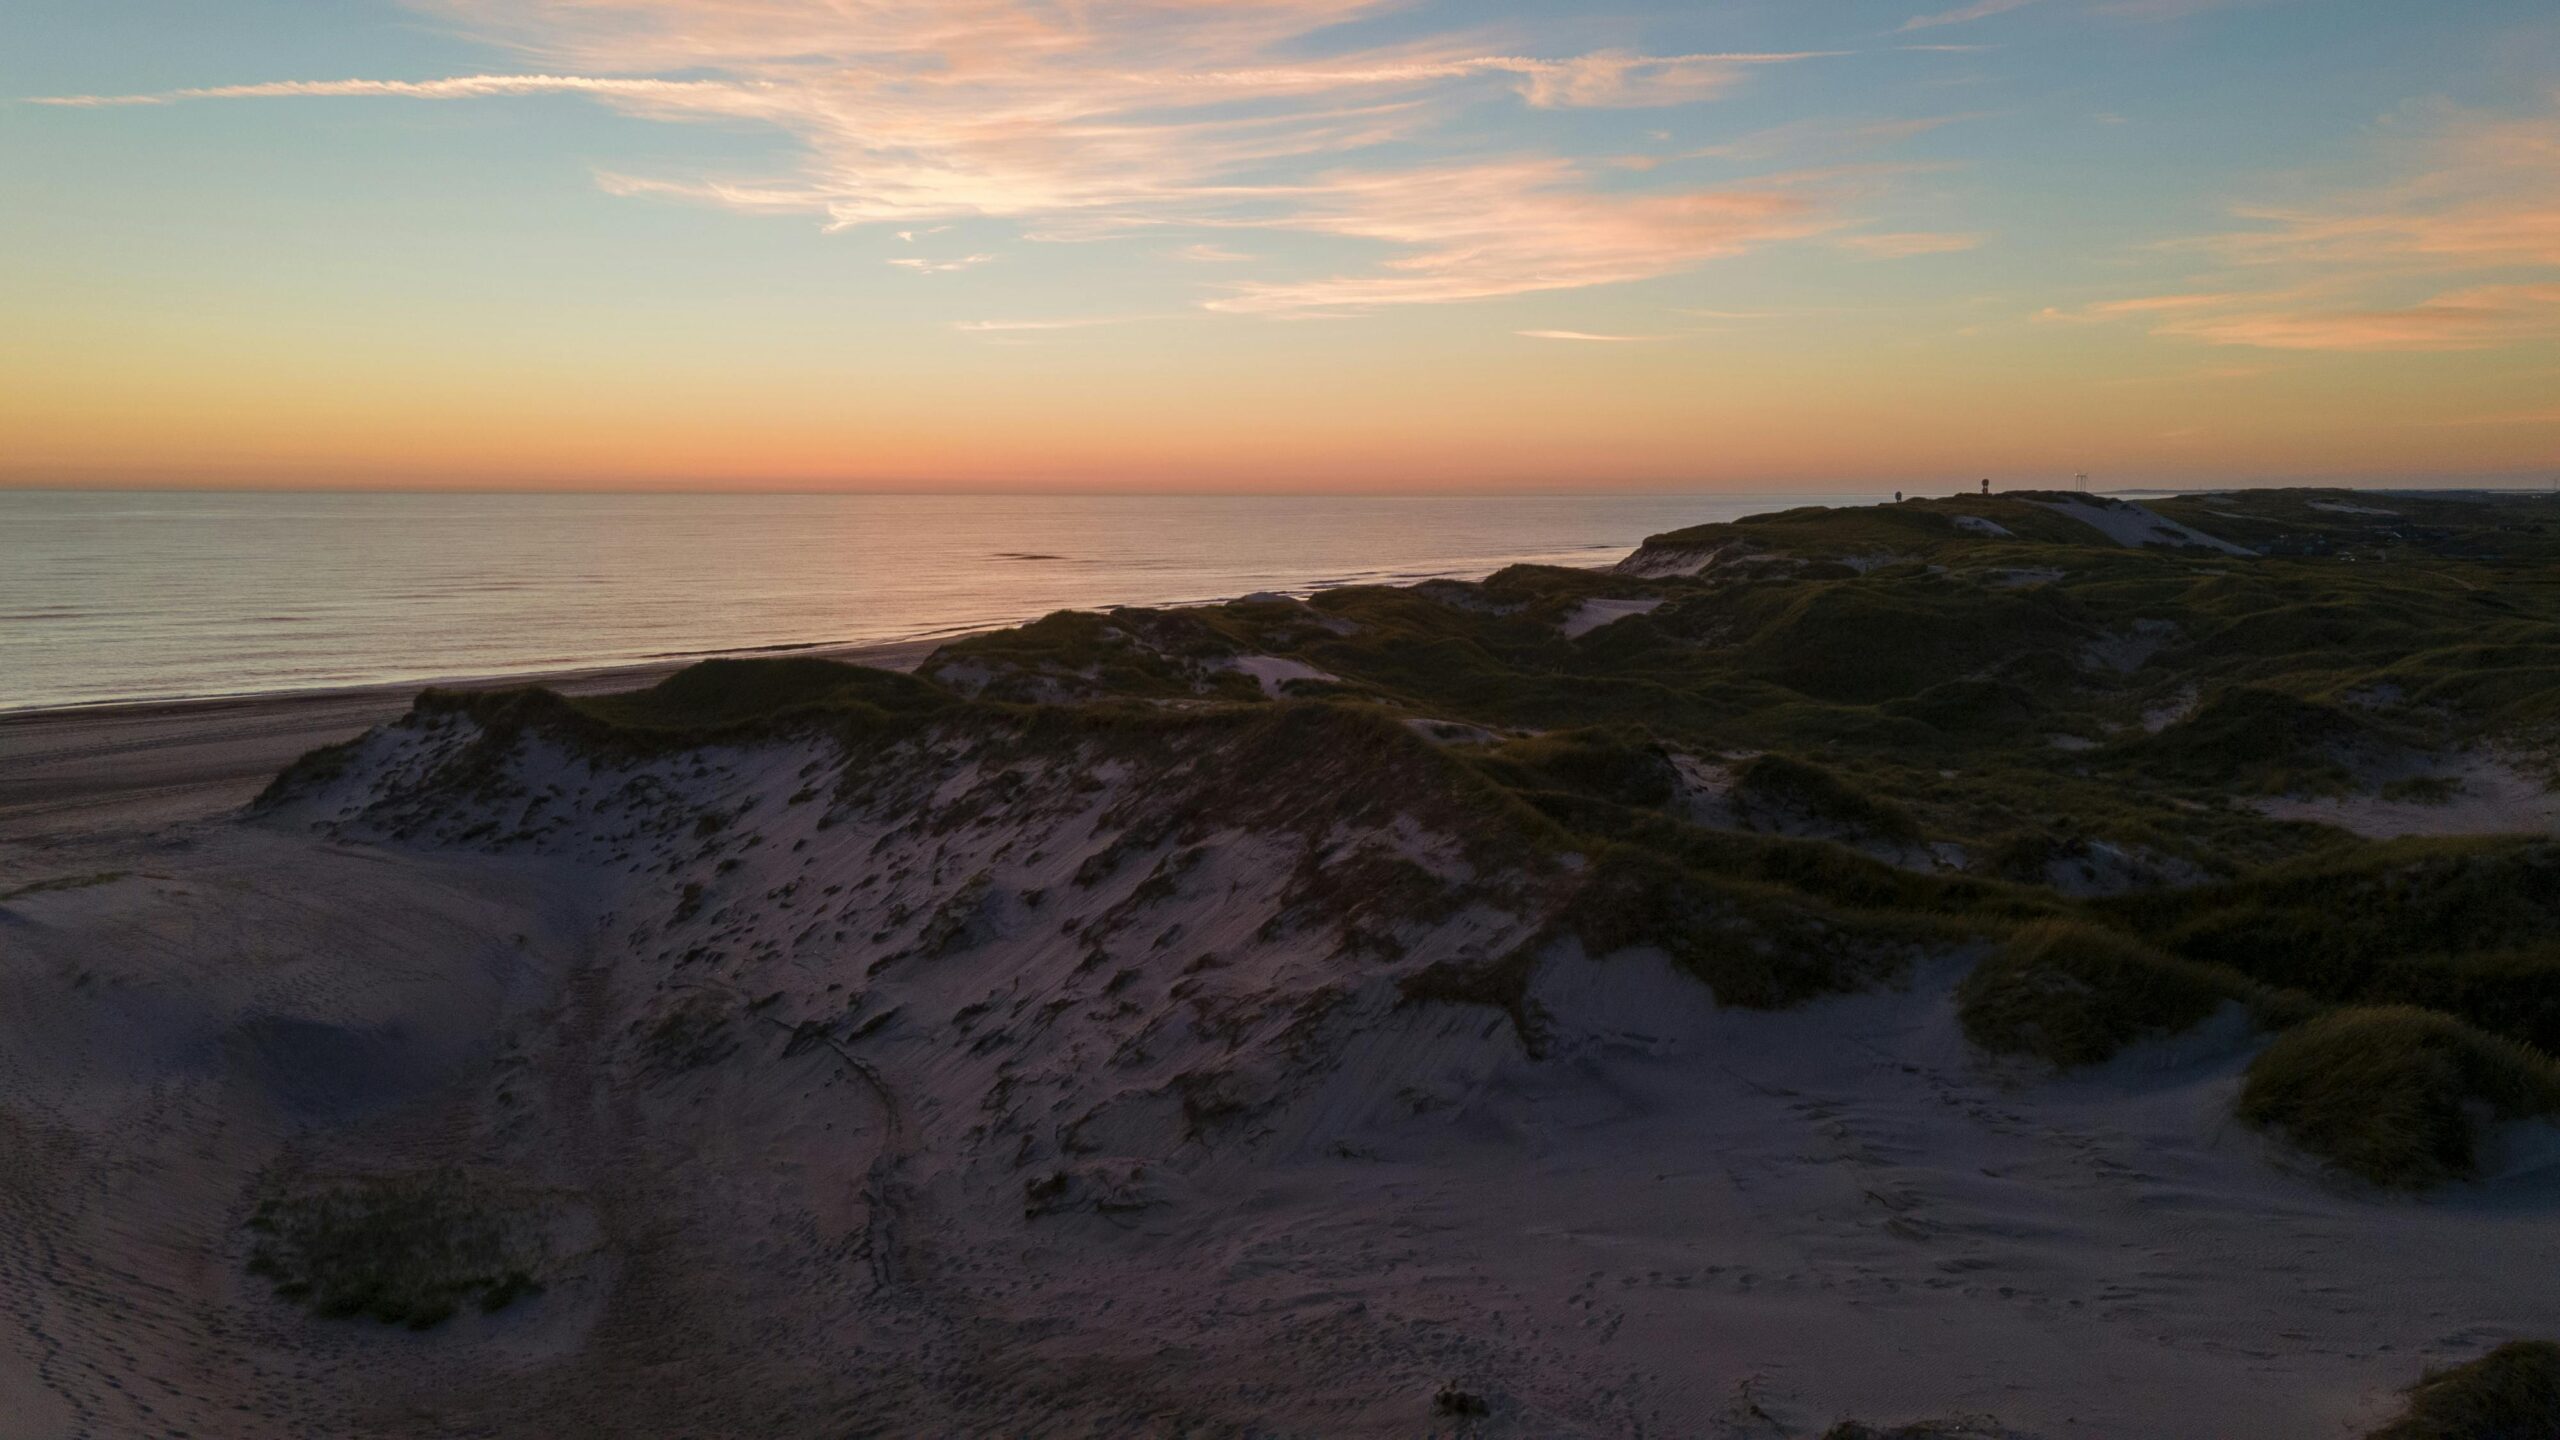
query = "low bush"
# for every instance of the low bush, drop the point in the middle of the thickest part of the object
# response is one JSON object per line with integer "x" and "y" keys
{"x": 1777, "y": 782}
{"x": 2511, "y": 1393}
{"x": 1623, "y": 767}
{"x": 2395, "y": 1094}
{"x": 2072, "y": 994}
{"x": 402, "y": 1249}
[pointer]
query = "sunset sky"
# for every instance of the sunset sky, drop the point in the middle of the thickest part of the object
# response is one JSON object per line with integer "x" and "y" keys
{"x": 1277, "y": 244}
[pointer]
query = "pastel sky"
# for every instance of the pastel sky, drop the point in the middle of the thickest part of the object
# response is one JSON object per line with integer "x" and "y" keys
{"x": 1277, "y": 244}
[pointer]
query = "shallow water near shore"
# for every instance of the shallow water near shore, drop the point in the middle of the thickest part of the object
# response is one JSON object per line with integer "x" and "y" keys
{"x": 134, "y": 596}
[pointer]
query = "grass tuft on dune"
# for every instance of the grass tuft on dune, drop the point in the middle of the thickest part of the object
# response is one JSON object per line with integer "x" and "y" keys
{"x": 2394, "y": 1094}
{"x": 2511, "y": 1393}
{"x": 404, "y": 1249}
{"x": 2074, "y": 995}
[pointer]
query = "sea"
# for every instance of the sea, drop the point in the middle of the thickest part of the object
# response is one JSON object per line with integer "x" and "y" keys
{"x": 124, "y": 596}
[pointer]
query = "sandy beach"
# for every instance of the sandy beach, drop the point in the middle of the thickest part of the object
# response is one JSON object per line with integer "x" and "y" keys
{"x": 87, "y": 766}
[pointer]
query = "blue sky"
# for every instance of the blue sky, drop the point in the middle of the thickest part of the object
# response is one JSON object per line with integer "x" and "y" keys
{"x": 1275, "y": 242}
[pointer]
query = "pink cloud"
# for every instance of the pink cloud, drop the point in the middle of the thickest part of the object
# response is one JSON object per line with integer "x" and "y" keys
{"x": 1584, "y": 337}
{"x": 1901, "y": 245}
{"x": 2474, "y": 216}
{"x": 2482, "y": 318}
{"x": 1109, "y": 117}
{"x": 1514, "y": 227}
{"x": 1966, "y": 14}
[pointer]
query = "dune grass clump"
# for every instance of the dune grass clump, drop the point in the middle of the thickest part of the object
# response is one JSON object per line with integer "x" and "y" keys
{"x": 693, "y": 1031}
{"x": 2255, "y": 739}
{"x": 2470, "y": 927}
{"x": 2511, "y": 1393}
{"x": 2395, "y": 1094}
{"x": 2072, "y": 995}
{"x": 1757, "y": 947}
{"x": 1622, "y": 766}
{"x": 1790, "y": 786}
{"x": 711, "y": 695}
{"x": 402, "y": 1249}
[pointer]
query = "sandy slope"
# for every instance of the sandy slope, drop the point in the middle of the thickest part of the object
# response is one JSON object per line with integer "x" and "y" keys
{"x": 995, "y": 1149}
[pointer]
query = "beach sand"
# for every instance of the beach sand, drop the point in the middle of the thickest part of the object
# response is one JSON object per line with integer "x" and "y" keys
{"x": 93, "y": 766}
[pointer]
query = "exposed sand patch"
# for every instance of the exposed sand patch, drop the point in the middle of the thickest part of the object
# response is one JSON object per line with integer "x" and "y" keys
{"x": 2023, "y": 577}
{"x": 1450, "y": 732}
{"x": 2482, "y": 793}
{"x": 2103, "y": 867}
{"x": 1977, "y": 525}
{"x": 2135, "y": 525}
{"x": 1590, "y": 615}
{"x": 1877, "y": 560}
{"x": 2166, "y": 713}
{"x": 1274, "y": 672}
{"x": 2128, "y": 651}
{"x": 1710, "y": 795}
{"x": 1669, "y": 562}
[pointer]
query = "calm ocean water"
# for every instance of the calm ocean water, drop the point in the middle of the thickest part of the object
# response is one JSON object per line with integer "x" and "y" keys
{"x": 153, "y": 596}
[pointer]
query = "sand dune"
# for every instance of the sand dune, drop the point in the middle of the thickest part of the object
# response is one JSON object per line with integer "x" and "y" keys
{"x": 1030, "y": 1118}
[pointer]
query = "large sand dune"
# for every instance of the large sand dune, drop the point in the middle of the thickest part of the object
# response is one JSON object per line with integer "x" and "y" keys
{"x": 866, "y": 1115}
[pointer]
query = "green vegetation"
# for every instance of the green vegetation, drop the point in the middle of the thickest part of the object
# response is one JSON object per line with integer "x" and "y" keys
{"x": 1785, "y": 785}
{"x": 2395, "y": 1094}
{"x": 717, "y": 694}
{"x": 402, "y": 1249}
{"x": 63, "y": 882}
{"x": 2253, "y": 740}
{"x": 2469, "y": 927}
{"x": 693, "y": 1030}
{"x": 2074, "y": 995}
{"x": 1617, "y": 764}
{"x": 2511, "y": 1393}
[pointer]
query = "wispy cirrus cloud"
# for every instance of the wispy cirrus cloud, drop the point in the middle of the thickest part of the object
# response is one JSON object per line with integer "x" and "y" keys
{"x": 1020, "y": 327}
{"x": 2481, "y": 318}
{"x": 2477, "y": 191}
{"x": 1903, "y": 244}
{"x": 2461, "y": 252}
{"x": 1116, "y": 117}
{"x": 460, "y": 87}
{"x": 1515, "y": 227}
{"x": 922, "y": 265}
{"x": 1585, "y": 337}
{"x": 1963, "y": 14}
{"x": 2548, "y": 415}
{"x": 2153, "y": 10}
{"x": 2138, "y": 305}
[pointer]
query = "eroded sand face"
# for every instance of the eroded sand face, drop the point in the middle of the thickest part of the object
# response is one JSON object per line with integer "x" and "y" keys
{"x": 959, "y": 1175}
